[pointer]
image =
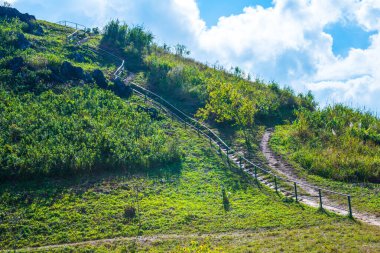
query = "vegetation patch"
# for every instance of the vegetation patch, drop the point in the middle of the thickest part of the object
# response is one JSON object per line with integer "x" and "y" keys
{"x": 81, "y": 130}
{"x": 336, "y": 142}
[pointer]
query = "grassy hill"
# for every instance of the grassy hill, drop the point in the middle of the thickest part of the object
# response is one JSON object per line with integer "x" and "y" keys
{"x": 336, "y": 147}
{"x": 82, "y": 158}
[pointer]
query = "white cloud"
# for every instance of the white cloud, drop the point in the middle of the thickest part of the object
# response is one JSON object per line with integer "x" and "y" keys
{"x": 368, "y": 14}
{"x": 287, "y": 43}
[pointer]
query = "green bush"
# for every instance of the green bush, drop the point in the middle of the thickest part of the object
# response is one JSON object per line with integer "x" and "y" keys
{"x": 336, "y": 142}
{"x": 81, "y": 130}
{"x": 132, "y": 43}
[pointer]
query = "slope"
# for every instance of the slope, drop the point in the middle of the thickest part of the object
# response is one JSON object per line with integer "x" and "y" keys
{"x": 199, "y": 193}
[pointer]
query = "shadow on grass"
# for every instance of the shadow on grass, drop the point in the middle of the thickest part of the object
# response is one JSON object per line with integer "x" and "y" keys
{"x": 47, "y": 191}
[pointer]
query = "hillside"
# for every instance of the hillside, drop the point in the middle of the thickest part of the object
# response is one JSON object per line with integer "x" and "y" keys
{"x": 88, "y": 165}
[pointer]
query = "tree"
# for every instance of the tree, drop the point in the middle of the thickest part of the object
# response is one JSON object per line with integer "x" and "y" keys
{"x": 95, "y": 30}
{"x": 115, "y": 34}
{"x": 6, "y": 4}
{"x": 226, "y": 103}
{"x": 140, "y": 39}
{"x": 132, "y": 43}
{"x": 181, "y": 50}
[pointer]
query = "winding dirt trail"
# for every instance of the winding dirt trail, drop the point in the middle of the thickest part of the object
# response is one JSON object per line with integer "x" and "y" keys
{"x": 286, "y": 170}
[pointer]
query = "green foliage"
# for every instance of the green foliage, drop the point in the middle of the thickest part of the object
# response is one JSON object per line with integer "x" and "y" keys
{"x": 51, "y": 125}
{"x": 220, "y": 95}
{"x": 336, "y": 142}
{"x": 184, "y": 81}
{"x": 131, "y": 42}
{"x": 115, "y": 34}
{"x": 80, "y": 130}
{"x": 181, "y": 50}
{"x": 183, "y": 198}
{"x": 10, "y": 31}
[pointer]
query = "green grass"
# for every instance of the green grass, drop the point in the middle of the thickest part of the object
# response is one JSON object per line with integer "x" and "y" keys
{"x": 184, "y": 198}
{"x": 128, "y": 200}
{"x": 324, "y": 238}
{"x": 365, "y": 196}
{"x": 82, "y": 129}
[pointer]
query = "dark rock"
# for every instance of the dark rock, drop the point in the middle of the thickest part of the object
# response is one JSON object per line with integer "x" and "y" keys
{"x": 22, "y": 43}
{"x": 10, "y": 13}
{"x": 71, "y": 72}
{"x": 119, "y": 83}
{"x": 121, "y": 89}
{"x": 99, "y": 78}
{"x": 87, "y": 78}
{"x": 77, "y": 57}
{"x": 37, "y": 30}
{"x": 16, "y": 64}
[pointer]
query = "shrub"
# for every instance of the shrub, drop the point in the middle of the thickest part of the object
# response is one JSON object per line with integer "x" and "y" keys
{"x": 79, "y": 131}
{"x": 336, "y": 142}
{"x": 129, "y": 212}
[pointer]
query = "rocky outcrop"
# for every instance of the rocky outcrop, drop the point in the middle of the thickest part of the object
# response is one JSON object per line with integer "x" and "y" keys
{"x": 99, "y": 78}
{"x": 16, "y": 64}
{"x": 22, "y": 42}
{"x": 71, "y": 72}
{"x": 30, "y": 20}
{"x": 77, "y": 57}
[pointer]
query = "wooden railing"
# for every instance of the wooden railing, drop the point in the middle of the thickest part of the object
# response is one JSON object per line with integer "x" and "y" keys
{"x": 278, "y": 183}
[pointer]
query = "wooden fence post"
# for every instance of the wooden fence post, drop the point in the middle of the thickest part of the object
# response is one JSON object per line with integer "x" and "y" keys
{"x": 295, "y": 191}
{"x": 320, "y": 198}
{"x": 349, "y": 206}
{"x": 275, "y": 184}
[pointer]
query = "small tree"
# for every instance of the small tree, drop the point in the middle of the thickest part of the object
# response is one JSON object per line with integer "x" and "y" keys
{"x": 95, "y": 30}
{"x": 166, "y": 48}
{"x": 7, "y": 4}
{"x": 181, "y": 50}
{"x": 115, "y": 34}
{"x": 138, "y": 38}
{"x": 133, "y": 42}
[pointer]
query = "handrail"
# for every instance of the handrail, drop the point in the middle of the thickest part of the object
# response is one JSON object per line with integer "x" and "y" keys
{"x": 216, "y": 139}
{"x": 67, "y": 23}
{"x": 116, "y": 74}
{"x": 219, "y": 140}
{"x": 118, "y": 70}
{"x": 72, "y": 34}
{"x": 185, "y": 115}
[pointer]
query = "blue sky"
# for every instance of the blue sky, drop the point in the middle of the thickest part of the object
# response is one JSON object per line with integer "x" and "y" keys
{"x": 329, "y": 47}
{"x": 212, "y": 10}
{"x": 347, "y": 35}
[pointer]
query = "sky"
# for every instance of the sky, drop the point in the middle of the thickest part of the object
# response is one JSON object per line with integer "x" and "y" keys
{"x": 329, "y": 47}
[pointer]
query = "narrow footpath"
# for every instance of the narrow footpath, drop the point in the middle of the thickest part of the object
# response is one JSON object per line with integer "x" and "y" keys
{"x": 278, "y": 164}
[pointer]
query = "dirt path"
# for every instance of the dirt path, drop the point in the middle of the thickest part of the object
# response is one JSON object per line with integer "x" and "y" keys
{"x": 279, "y": 165}
{"x": 146, "y": 240}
